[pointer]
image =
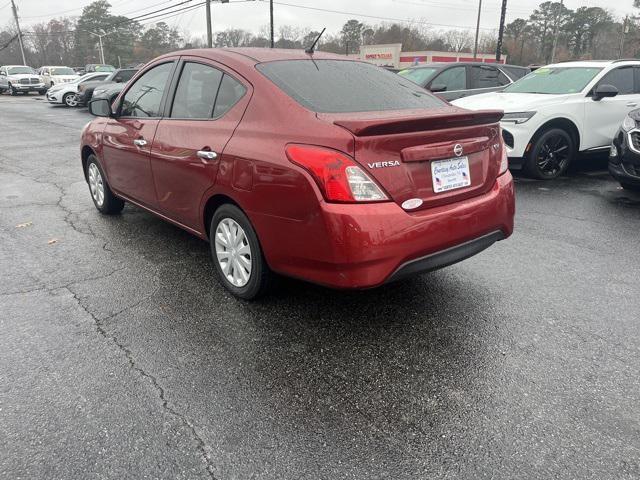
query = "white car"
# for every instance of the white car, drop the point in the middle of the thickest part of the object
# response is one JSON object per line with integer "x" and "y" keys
{"x": 20, "y": 78}
{"x": 52, "y": 75}
{"x": 65, "y": 93}
{"x": 562, "y": 109}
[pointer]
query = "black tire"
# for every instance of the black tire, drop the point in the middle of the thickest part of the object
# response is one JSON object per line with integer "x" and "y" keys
{"x": 552, "y": 152}
{"x": 111, "y": 204}
{"x": 12, "y": 90}
{"x": 260, "y": 277}
{"x": 631, "y": 187}
{"x": 42, "y": 92}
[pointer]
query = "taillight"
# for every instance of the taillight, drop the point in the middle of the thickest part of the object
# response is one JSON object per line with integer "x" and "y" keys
{"x": 340, "y": 179}
{"x": 504, "y": 161}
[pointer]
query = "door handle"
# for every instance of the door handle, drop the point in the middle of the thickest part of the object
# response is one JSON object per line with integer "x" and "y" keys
{"x": 632, "y": 104}
{"x": 207, "y": 154}
{"x": 139, "y": 142}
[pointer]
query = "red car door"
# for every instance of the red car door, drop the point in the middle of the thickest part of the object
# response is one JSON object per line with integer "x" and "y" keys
{"x": 127, "y": 139}
{"x": 208, "y": 104}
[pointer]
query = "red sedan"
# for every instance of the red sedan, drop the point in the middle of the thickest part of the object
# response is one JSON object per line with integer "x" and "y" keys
{"x": 313, "y": 166}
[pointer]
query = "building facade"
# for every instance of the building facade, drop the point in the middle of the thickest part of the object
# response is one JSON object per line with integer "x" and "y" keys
{"x": 391, "y": 55}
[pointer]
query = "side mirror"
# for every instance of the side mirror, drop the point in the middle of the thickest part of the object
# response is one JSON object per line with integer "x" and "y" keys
{"x": 3, "y": 74}
{"x": 101, "y": 108}
{"x": 604, "y": 91}
{"x": 438, "y": 87}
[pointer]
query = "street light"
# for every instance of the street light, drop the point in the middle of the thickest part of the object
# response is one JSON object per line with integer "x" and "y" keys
{"x": 101, "y": 48}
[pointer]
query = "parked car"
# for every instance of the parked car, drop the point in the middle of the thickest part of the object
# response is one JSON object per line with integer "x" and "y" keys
{"x": 110, "y": 92}
{"x": 122, "y": 75}
{"x": 79, "y": 70}
{"x": 456, "y": 80}
{"x": 98, "y": 67}
{"x": 66, "y": 93}
{"x": 624, "y": 155}
{"x": 286, "y": 164}
{"x": 559, "y": 110}
{"x": 55, "y": 75}
{"x": 20, "y": 79}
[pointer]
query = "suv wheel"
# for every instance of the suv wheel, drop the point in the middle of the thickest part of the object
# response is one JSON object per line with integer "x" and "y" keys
{"x": 552, "y": 152}
{"x": 12, "y": 90}
{"x": 237, "y": 255}
{"x": 103, "y": 198}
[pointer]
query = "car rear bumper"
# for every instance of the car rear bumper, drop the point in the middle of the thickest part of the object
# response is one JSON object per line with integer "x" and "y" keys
{"x": 368, "y": 245}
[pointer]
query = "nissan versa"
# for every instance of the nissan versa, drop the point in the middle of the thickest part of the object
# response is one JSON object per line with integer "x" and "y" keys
{"x": 307, "y": 165}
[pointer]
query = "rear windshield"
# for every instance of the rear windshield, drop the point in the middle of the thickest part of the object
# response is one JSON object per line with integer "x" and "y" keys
{"x": 515, "y": 72}
{"x": 337, "y": 86}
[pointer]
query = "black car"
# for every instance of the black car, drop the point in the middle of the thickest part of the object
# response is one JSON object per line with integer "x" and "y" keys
{"x": 122, "y": 75}
{"x": 451, "y": 81}
{"x": 110, "y": 92}
{"x": 624, "y": 157}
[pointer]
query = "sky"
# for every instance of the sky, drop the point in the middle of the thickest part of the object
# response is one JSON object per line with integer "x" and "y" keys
{"x": 254, "y": 14}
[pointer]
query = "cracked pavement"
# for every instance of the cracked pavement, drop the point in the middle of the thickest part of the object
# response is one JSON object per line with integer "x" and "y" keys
{"x": 122, "y": 357}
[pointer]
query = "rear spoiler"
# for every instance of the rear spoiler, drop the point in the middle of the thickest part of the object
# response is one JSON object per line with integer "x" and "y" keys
{"x": 464, "y": 118}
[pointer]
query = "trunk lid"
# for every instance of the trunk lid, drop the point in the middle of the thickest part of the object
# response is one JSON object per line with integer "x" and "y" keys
{"x": 398, "y": 148}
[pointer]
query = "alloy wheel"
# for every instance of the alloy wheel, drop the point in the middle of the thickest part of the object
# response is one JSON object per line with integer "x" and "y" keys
{"x": 553, "y": 156}
{"x": 96, "y": 184}
{"x": 70, "y": 100}
{"x": 233, "y": 252}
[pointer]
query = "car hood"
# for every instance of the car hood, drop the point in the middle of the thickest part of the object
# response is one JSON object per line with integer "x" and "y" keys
{"x": 18, "y": 76}
{"x": 97, "y": 83}
{"x": 509, "y": 102}
{"x": 65, "y": 77}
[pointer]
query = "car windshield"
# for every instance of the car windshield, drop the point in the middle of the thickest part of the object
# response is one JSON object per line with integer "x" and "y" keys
{"x": 105, "y": 68}
{"x": 421, "y": 76}
{"x": 555, "y": 80}
{"x": 62, "y": 71}
{"x": 121, "y": 75}
{"x": 338, "y": 86}
{"x": 19, "y": 70}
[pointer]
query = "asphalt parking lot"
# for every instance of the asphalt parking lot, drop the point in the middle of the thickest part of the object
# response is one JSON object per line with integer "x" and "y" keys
{"x": 122, "y": 357}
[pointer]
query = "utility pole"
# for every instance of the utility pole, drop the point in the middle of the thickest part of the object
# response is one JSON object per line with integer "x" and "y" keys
{"x": 501, "y": 31}
{"x": 625, "y": 31}
{"x": 100, "y": 42}
{"x": 475, "y": 45}
{"x": 209, "y": 32}
{"x": 271, "y": 20}
{"x": 15, "y": 16}
{"x": 556, "y": 33}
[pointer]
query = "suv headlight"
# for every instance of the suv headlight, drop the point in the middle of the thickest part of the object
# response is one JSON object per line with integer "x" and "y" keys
{"x": 628, "y": 124}
{"x": 517, "y": 117}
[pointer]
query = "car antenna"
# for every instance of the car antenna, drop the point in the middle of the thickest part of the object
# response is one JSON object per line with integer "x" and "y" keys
{"x": 312, "y": 48}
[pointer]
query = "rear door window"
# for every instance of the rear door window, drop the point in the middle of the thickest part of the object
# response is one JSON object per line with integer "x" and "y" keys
{"x": 231, "y": 91}
{"x": 485, "y": 77}
{"x": 454, "y": 78}
{"x": 339, "y": 86}
{"x": 196, "y": 92}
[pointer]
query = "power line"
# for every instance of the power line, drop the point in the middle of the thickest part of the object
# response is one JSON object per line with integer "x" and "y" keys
{"x": 375, "y": 17}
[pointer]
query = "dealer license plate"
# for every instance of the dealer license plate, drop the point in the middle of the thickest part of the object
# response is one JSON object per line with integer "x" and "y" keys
{"x": 450, "y": 174}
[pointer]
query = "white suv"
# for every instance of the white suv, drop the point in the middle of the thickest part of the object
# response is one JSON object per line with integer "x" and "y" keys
{"x": 562, "y": 109}
{"x": 56, "y": 75}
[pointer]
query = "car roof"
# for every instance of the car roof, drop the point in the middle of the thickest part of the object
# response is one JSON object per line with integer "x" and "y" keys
{"x": 253, "y": 55}
{"x": 591, "y": 63}
{"x": 445, "y": 64}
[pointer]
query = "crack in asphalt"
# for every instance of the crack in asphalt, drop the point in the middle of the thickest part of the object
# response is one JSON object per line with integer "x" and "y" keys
{"x": 200, "y": 443}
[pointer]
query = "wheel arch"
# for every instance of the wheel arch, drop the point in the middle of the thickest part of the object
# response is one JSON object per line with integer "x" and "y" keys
{"x": 561, "y": 122}
{"x": 85, "y": 153}
{"x": 212, "y": 204}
